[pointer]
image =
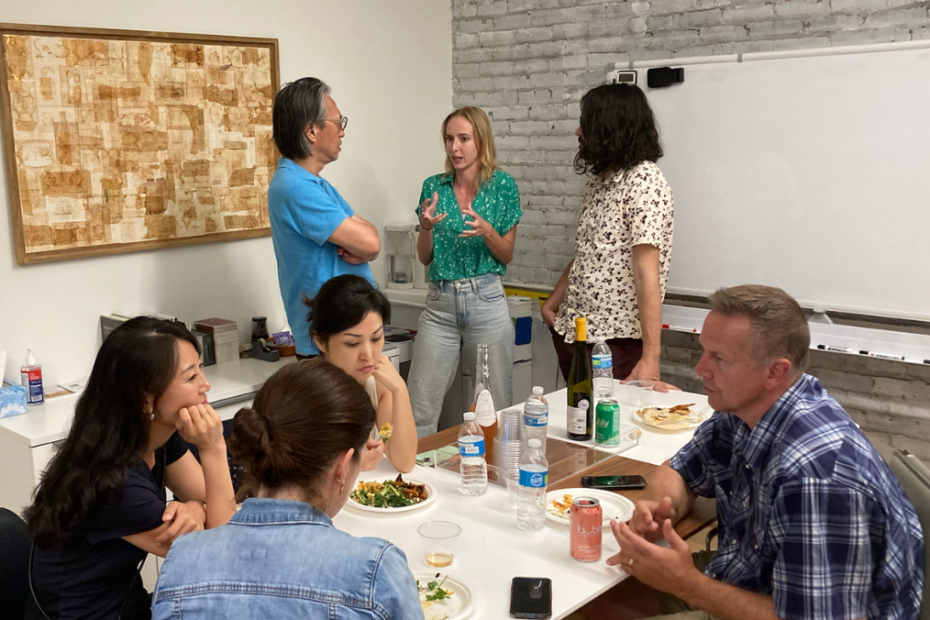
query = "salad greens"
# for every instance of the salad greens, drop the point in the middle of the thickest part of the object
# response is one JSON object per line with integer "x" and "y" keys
{"x": 389, "y": 493}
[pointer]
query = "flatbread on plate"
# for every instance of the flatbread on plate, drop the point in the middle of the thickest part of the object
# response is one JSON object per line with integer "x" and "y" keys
{"x": 674, "y": 418}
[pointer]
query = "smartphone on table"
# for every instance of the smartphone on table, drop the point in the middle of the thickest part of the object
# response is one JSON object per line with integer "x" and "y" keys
{"x": 531, "y": 597}
{"x": 613, "y": 482}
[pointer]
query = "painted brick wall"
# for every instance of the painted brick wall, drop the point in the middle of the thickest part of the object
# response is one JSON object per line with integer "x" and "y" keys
{"x": 528, "y": 62}
{"x": 889, "y": 400}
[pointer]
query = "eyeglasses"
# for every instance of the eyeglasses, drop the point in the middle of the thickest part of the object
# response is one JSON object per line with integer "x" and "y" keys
{"x": 342, "y": 121}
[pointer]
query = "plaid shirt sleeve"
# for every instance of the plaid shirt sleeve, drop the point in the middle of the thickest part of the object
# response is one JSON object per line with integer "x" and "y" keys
{"x": 691, "y": 462}
{"x": 824, "y": 554}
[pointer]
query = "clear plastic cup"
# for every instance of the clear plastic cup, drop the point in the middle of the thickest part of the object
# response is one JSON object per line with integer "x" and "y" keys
{"x": 639, "y": 392}
{"x": 440, "y": 539}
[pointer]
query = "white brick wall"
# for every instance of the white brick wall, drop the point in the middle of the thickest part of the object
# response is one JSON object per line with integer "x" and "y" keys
{"x": 528, "y": 62}
{"x": 889, "y": 400}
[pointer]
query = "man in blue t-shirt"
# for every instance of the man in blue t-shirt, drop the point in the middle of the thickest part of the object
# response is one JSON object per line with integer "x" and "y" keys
{"x": 316, "y": 234}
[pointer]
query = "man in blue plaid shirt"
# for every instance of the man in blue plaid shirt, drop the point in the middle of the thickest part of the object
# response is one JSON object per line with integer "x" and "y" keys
{"x": 812, "y": 522}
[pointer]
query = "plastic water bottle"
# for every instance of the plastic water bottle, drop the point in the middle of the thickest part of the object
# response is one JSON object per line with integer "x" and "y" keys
{"x": 536, "y": 417}
{"x": 534, "y": 477}
{"x": 471, "y": 449}
{"x": 602, "y": 370}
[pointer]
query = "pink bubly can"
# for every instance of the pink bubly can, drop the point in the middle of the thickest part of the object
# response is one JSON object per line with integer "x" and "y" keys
{"x": 586, "y": 518}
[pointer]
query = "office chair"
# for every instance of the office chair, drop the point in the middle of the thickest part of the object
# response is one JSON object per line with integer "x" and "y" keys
{"x": 14, "y": 583}
{"x": 914, "y": 477}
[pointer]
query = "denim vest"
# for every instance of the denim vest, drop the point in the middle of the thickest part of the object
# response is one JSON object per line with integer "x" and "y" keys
{"x": 284, "y": 559}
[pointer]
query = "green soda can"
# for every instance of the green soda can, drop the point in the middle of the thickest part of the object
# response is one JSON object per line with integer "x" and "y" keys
{"x": 607, "y": 423}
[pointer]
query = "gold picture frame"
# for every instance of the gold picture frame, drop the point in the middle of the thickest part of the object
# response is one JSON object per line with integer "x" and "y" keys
{"x": 120, "y": 141}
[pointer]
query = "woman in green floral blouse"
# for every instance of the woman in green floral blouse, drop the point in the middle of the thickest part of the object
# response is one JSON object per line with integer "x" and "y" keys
{"x": 468, "y": 224}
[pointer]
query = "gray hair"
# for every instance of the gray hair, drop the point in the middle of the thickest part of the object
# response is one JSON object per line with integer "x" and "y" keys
{"x": 778, "y": 324}
{"x": 296, "y": 106}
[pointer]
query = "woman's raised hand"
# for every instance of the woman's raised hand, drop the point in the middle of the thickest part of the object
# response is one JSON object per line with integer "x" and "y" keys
{"x": 201, "y": 426}
{"x": 479, "y": 226}
{"x": 428, "y": 217}
{"x": 385, "y": 374}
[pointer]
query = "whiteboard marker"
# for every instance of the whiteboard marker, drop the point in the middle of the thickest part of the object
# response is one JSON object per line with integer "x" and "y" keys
{"x": 830, "y": 347}
{"x": 883, "y": 356}
{"x": 678, "y": 328}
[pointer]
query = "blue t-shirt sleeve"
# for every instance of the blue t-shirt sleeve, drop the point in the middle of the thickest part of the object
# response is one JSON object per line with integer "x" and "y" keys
{"x": 395, "y": 589}
{"x": 316, "y": 210}
{"x": 138, "y": 508}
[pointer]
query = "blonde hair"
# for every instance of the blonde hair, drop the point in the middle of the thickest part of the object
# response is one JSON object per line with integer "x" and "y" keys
{"x": 778, "y": 324}
{"x": 481, "y": 128}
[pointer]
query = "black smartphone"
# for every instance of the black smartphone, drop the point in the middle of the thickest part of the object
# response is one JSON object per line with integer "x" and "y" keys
{"x": 613, "y": 482}
{"x": 531, "y": 597}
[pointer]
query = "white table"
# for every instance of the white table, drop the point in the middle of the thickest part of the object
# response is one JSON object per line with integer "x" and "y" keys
{"x": 492, "y": 550}
{"x": 655, "y": 445}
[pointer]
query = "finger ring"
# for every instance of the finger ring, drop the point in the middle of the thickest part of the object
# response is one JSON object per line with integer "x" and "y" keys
{"x": 630, "y": 563}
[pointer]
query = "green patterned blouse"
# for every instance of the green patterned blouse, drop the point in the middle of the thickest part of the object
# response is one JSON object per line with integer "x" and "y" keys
{"x": 455, "y": 258}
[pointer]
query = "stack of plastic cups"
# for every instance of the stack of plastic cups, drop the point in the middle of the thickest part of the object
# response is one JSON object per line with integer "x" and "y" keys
{"x": 508, "y": 448}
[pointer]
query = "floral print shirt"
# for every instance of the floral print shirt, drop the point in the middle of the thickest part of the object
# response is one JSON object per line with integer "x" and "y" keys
{"x": 457, "y": 258}
{"x": 632, "y": 207}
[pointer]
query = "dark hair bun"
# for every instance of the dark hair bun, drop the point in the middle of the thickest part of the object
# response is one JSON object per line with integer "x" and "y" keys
{"x": 304, "y": 416}
{"x": 250, "y": 442}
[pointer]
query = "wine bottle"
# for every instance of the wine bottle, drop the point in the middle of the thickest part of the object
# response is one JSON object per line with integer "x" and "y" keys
{"x": 580, "y": 423}
{"x": 483, "y": 402}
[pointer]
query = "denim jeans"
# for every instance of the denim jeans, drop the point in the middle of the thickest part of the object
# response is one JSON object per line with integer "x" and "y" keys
{"x": 459, "y": 315}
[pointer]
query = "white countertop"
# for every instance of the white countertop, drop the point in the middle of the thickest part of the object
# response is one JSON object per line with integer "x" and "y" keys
{"x": 49, "y": 422}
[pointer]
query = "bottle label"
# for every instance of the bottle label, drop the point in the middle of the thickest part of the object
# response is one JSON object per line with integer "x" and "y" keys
{"x": 537, "y": 421}
{"x": 534, "y": 479}
{"x": 32, "y": 380}
{"x": 471, "y": 447}
{"x": 602, "y": 362}
{"x": 577, "y": 422}
{"x": 485, "y": 413}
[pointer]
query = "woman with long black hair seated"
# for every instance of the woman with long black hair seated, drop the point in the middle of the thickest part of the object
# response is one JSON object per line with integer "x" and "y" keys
{"x": 347, "y": 319}
{"x": 280, "y": 556}
{"x": 101, "y": 506}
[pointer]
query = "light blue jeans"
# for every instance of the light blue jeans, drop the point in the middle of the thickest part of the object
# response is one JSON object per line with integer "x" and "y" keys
{"x": 459, "y": 315}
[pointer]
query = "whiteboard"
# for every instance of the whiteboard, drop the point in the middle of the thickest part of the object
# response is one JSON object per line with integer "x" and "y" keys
{"x": 809, "y": 173}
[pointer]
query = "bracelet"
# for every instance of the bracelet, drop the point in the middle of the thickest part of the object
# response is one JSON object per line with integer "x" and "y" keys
{"x": 422, "y": 227}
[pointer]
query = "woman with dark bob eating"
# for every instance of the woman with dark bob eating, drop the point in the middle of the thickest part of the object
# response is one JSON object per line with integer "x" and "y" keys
{"x": 347, "y": 319}
{"x": 280, "y": 556}
{"x": 623, "y": 246}
{"x": 100, "y": 508}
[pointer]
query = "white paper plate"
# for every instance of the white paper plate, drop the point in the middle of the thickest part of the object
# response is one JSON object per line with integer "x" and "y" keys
{"x": 681, "y": 424}
{"x": 460, "y": 605}
{"x": 614, "y": 506}
{"x": 431, "y": 497}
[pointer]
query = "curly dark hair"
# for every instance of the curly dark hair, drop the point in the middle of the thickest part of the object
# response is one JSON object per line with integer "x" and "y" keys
{"x": 618, "y": 130}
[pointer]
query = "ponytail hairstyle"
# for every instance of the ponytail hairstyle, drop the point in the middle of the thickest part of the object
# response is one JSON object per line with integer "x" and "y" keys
{"x": 110, "y": 429}
{"x": 303, "y": 418}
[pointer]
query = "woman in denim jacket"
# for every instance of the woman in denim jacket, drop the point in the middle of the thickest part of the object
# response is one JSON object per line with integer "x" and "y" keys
{"x": 280, "y": 556}
{"x": 468, "y": 225}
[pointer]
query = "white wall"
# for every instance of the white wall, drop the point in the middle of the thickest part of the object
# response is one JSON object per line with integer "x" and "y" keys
{"x": 389, "y": 63}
